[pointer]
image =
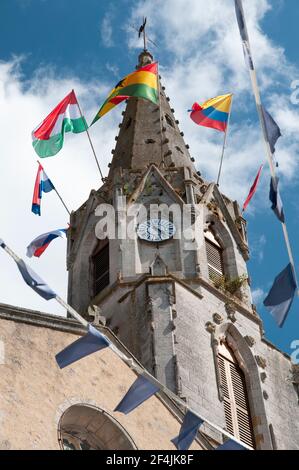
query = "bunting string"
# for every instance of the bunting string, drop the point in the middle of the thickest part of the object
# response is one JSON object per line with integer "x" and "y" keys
{"x": 256, "y": 91}
{"x": 96, "y": 340}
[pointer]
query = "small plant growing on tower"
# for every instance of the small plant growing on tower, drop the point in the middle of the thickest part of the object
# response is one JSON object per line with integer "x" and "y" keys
{"x": 231, "y": 285}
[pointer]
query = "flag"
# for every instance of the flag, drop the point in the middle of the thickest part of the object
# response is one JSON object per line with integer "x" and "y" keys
{"x": 272, "y": 129}
{"x": 32, "y": 279}
{"x": 230, "y": 445}
{"x": 140, "y": 391}
{"x": 93, "y": 341}
{"x": 42, "y": 185}
{"x": 213, "y": 113}
{"x": 142, "y": 84}
{"x": 243, "y": 33}
{"x": 253, "y": 189}
{"x": 281, "y": 295}
{"x": 41, "y": 243}
{"x": 48, "y": 137}
{"x": 188, "y": 431}
{"x": 274, "y": 196}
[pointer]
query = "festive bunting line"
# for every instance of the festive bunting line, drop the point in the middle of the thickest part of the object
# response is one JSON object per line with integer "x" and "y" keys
{"x": 40, "y": 287}
{"x": 270, "y": 132}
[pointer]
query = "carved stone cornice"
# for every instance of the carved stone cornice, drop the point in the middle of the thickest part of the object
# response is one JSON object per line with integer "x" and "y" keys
{"x": 261, "y": 361}
{"x": 218, "y": 318}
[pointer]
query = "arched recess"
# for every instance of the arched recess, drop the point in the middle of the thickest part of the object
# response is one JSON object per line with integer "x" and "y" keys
{"x": 99, "y": 267}
{"x": 86, "y": 427}
{"x": 229, "y": 334}
{"x": 224, "y": 238}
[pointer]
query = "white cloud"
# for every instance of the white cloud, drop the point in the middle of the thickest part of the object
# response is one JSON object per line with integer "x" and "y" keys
{"x": 107, "y": 30}
{"x": 73, "y": 171}
{"x": 204, "y": 58}
{"x": 257, "y": 246}
{"x": 258, "y": 295}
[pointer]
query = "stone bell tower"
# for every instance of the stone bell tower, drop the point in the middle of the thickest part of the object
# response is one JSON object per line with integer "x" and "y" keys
{"x": 183, "y": 309}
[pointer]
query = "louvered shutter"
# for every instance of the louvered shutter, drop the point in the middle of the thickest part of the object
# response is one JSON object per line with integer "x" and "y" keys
{"x": 236, "y": 407}
{"x": 101, "y": 269}
{"x": 215, "y": 263}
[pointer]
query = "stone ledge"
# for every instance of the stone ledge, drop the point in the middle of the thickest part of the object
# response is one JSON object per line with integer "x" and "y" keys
{"x": 44, "y": 320}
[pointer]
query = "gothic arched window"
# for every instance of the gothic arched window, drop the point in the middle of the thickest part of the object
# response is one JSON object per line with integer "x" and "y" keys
{"x": 235, "y": 398}
{"x": 214, "y": 256}
{"x": 100, "y": 260}
{"x": 85, "y": 427}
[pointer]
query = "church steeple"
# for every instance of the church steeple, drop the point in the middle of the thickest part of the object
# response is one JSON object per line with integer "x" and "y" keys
{"x": 149, "y": 134}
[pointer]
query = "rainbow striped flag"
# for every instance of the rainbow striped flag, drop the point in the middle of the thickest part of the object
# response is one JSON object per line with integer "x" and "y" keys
{"x": 142, "y": 84}
{"x": 213, "y": 113}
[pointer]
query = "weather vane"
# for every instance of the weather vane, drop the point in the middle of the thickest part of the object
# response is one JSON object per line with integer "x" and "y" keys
{"x": 142, "y": 31}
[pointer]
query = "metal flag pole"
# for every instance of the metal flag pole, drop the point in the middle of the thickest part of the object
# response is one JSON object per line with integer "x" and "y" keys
{"x": 224, "y": 143}
{"x": 89, "y": 139}
{"x": 160, "y": 117}
{"x": 62, "y": 201}
{"x": 257, "y": 95}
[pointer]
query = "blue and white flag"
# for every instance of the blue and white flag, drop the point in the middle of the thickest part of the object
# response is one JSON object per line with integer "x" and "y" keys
{"x": 230, "y": 445}
{"x": 140, "y": 391}
{"x": 35, "y": 282}
{"x": 272, "y": 129}
{"x": 188, "y": 431}
{"x": 88, "y": 344}
{"x": 274, "y": 196}
{"x": 281, "y": 295}
{"x": 32, "y": 279}
{"x": 243, "y": 33}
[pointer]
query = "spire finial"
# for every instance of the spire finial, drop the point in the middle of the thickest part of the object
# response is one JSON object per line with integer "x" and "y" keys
{"x": 142, "y": 31}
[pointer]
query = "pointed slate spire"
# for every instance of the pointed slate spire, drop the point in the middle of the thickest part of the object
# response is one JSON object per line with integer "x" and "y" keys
{"x": 142, "y": 134}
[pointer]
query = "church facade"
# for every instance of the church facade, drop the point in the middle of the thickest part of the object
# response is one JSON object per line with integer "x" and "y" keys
{"x": 181, "y": 307}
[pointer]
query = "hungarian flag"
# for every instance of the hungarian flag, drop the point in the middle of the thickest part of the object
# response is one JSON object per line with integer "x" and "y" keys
{"x": 142, "y": 84}
{"x": 48, "y": 137}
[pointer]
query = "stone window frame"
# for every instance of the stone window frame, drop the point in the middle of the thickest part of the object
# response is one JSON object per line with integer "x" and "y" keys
{"x": 225, "y": 240}
{"x": 98, "y": 409}
{"x": 100, "y": 245}
{"x": 228, "y": 333}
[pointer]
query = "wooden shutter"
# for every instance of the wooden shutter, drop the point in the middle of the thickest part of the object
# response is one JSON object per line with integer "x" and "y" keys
{"x": 236, "y": 407}
{"x": 215, "y": 263}
{"x": 101, "y": 269}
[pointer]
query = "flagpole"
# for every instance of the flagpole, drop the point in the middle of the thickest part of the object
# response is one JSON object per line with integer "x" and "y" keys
{"x": 62, "y": 201}
{"x": 160, "y": 117}
{"x": 90, "y": 141}
{"x": 257, "y": 95}
{"x": 224, "y": 143}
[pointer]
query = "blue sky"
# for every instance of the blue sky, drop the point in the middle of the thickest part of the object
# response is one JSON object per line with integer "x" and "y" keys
{"x": 49, "y": 47}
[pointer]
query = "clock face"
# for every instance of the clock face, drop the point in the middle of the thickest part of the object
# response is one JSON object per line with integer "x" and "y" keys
{"x": 156, "y": 230}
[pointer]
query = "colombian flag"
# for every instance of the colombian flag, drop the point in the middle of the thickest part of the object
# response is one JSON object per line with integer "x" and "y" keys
{"x": 213, "y": 113}
{"x": 142, "y": 84}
